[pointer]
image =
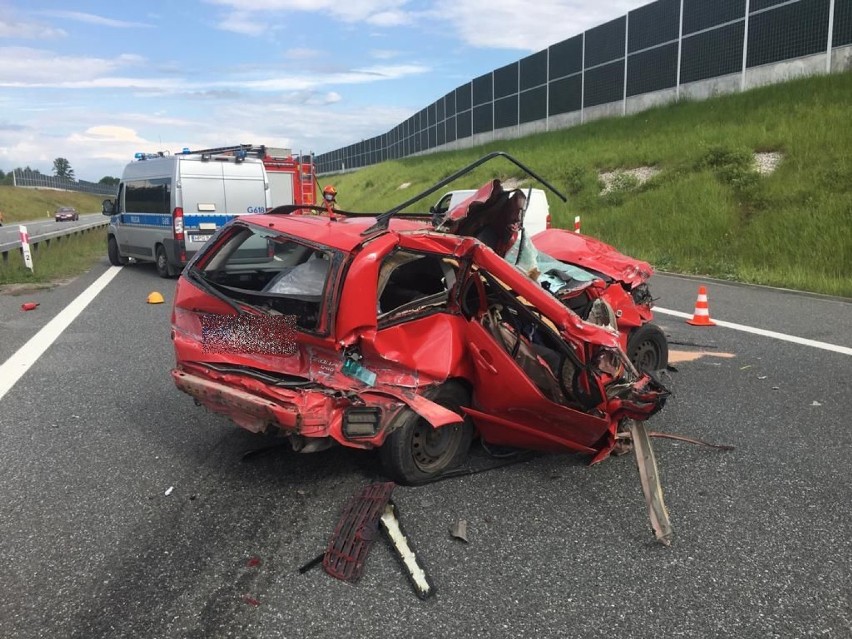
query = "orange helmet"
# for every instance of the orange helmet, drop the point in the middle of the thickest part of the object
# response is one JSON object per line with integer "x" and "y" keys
{"x": 329, "y": 192}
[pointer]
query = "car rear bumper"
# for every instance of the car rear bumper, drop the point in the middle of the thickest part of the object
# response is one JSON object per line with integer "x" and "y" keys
{"x": 308, "y": 413}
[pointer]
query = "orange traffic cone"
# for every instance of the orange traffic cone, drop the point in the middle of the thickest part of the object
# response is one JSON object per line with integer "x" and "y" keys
{"x": 701, "y": 317}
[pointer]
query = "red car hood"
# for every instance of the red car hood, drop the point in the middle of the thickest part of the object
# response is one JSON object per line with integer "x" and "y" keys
{"x": 591, "y": 254}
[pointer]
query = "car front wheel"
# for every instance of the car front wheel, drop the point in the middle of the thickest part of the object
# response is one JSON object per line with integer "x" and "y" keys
{"x": 115, "y": 257}
{"x": 647, "y": 348}
{"x": 416, "y": 452}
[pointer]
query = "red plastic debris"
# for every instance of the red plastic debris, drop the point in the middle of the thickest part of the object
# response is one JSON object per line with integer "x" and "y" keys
{"x": 29, "y": 306}
{"x": 355, "y": 532}
{"x": 251, "y": 601}
{"x": 253, "y": 562}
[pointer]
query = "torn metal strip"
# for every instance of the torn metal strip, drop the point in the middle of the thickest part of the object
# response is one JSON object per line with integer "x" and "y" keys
{"x": 651, "y": 486}
{"x": 405, "y": 552}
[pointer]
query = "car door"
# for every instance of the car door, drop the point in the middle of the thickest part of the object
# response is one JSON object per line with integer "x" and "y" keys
{"x": 529, "y": 380}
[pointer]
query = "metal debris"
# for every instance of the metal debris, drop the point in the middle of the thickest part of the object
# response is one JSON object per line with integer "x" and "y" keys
{"x": 651, "y": 486}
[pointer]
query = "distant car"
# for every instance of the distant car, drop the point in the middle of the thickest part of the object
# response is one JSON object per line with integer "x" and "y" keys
{"x": 67, "y": 214}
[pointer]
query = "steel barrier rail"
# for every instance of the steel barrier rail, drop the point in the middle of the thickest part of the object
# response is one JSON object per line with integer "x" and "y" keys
{"x": 10, "y": 247}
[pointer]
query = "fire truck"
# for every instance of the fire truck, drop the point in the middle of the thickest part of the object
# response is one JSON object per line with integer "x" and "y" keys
{"x": 292, "y": 177}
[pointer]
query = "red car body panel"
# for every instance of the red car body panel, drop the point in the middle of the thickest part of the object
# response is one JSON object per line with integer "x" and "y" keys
{"x": 590, "y": 253}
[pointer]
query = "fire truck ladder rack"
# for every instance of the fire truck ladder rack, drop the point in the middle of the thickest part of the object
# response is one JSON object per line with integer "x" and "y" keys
{"x": 248, "y": 149}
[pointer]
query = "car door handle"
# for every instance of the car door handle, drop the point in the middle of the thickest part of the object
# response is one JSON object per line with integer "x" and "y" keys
{"x": 482, "y": 358}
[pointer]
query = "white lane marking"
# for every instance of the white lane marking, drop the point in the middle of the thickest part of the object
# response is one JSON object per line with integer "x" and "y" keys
{"x": 845, "y": 350}
{"x": 13, "y": 368}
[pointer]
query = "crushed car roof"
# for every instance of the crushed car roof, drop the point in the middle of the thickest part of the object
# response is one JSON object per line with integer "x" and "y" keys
{"x": 343, "y": 233}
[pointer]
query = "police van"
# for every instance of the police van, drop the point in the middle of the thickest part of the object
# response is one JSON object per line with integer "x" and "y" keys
{"x": 168, "y": 206}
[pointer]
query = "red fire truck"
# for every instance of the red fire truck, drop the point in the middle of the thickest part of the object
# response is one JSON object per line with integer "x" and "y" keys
{"x": 292, "y": 177}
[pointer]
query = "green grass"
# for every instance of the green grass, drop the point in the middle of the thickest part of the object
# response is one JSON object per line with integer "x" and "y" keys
{"x": 72, "y": 255}
{"x": 707, "y": 213}
{"x": 20, "y": 205}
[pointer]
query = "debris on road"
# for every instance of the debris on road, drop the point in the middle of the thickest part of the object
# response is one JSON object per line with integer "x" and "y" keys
{"x": 405, "y": 552}
{"x": 459, "y": 530}
{"x": 356, "y": 531}
{"x": 29, "y": 306}
{"x": 169, "y": 490}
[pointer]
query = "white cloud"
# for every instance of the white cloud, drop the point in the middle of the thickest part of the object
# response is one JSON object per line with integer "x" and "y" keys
{"x": 35, "y": 67}
{"x": 388, "y": 12}
{"x": 26, "y": 30}
{"x": 109, "y": 133}
{"x": 90, "y": 18}
{"x": 302, "y": 53}
{"x": 38, "y": 68}
{"x": 515, "y": 24}
{"x": 243, "y": 23}
{"x": 389, "y": 18}
{"x": 384, "y": 54}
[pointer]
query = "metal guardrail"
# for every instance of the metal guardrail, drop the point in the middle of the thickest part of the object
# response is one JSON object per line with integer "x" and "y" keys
{"x": 8, "y": 248}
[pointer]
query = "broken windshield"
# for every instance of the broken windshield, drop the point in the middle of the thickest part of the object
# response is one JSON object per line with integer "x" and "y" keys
{"x": 272, "y": 272}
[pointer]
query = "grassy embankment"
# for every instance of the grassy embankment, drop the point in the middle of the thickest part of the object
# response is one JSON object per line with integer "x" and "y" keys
{"x": 707, "y": 211}
{"x": 65, "y": 258}
{"x": 21, "y": 205}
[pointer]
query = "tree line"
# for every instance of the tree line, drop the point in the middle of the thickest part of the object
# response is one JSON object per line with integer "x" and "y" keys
{"x": 61, "y": 169}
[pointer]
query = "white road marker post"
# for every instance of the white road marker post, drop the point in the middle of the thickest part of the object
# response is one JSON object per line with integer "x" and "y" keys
{"x": 25, "y": 247}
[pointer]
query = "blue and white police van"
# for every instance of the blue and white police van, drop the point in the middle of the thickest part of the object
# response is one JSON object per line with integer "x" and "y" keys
{"x": 168, "y": 206}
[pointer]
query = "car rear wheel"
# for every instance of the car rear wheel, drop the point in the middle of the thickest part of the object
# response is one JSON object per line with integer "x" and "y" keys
{"x": 164, "y": 268}
{"x": 647, "y": 348}
{"x": 115, "y": 257}
{"x": 415, "y": 452}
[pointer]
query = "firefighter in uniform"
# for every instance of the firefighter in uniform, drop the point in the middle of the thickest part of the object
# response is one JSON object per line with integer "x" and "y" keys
{"x": 329, "y": 198}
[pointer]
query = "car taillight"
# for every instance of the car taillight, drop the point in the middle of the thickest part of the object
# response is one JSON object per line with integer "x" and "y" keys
{"x": 178, "y": 223}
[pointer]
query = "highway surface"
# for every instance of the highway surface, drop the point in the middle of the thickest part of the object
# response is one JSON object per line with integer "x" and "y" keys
{"x": 127, "y": 511}
{"x": 9, "y": 230}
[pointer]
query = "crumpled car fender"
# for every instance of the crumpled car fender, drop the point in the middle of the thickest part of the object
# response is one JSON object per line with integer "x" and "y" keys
{"x": 433, "y": 413}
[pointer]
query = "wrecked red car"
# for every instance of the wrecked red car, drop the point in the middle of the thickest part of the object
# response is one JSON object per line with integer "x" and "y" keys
{"x": 576, "y": 269}
{"x": 383, "y": 333}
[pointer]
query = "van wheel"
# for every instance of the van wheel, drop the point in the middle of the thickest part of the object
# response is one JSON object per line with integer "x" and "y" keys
{"x": 113, "y": 253}
{"x": 164, "y": 268}
{"x": 647, "y": 348}
{"x": 415, "y": 452}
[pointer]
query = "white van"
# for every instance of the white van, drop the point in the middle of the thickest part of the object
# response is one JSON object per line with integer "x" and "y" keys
{"x": 168, "y": 206}
{"x": 536, "y": 218}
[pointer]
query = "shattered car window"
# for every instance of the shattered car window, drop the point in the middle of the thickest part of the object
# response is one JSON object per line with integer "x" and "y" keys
{"x": 275, "y": 273}
{"x": 410, "y": 282}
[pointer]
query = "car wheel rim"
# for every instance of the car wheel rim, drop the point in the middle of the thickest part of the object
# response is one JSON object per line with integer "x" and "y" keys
{"x": 430, "y": 447}
{"x": 646, "y": 356}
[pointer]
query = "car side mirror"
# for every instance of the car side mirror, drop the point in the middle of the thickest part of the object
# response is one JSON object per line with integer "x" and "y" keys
{"x": 108, "y": 207}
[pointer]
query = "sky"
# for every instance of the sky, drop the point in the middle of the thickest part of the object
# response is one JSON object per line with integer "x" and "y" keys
{"x": 97, "y": 81}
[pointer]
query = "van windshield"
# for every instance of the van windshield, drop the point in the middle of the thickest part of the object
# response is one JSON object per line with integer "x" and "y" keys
{"x": 272, "y": 272}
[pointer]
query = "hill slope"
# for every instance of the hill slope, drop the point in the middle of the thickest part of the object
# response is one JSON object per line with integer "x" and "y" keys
{"x": 707, "y": 211}
{"x": 19, "y": 204}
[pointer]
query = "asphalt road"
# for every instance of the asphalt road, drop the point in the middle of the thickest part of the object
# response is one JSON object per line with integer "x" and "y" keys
{"x": 94, "y": 435}
{"x": 9, "y": 230}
